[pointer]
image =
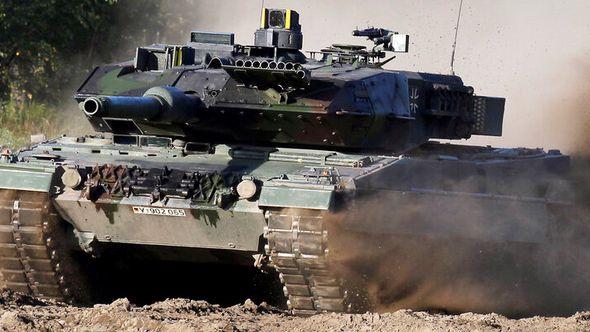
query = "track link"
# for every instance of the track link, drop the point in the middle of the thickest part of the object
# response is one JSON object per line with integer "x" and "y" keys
{"x": 34, "y": 255}
{"x": 298, "y": 249}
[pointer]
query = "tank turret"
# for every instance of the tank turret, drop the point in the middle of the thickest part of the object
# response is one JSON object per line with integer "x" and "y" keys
{"x": 214, "y": 91}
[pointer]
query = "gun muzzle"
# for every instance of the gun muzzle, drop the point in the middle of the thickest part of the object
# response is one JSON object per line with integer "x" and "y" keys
{"x": 159, "y": 104}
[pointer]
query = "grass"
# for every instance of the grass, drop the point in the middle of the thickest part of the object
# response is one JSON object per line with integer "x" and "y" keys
{"x": 20, "y": 120}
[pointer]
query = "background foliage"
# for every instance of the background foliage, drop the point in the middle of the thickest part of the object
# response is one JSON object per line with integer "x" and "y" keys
{"x": 47, "y": 47}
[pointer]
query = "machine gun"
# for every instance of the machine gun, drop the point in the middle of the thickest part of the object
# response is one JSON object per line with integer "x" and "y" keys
{"x": 389, "y": 40}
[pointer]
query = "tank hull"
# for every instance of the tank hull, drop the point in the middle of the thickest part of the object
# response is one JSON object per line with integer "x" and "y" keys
{"x": 304, "y": 203}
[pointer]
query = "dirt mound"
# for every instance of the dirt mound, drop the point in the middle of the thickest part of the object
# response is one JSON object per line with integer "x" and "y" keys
{"x": 24, "y": 313}
{"x": 12, "y": 298}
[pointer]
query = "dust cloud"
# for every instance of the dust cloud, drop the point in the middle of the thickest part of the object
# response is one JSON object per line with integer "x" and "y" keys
{"x": 471, "y": 272}
{"x": 574, "y": 114}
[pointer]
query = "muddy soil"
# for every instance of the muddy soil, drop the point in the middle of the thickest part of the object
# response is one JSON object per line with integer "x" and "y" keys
{"x": 24, "y": 313}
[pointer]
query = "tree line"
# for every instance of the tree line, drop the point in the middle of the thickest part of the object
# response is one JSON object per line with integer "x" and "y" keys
{"x": 45, "y": 44}
{"x": 47, "y": 47}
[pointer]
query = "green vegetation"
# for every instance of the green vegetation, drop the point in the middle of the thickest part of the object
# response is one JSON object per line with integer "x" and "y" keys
{"x": 47, "y": 47}
{"x": 21, "y": 120}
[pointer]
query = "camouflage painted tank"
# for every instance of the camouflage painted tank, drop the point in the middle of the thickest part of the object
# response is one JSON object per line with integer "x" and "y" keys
{"x": 263, "y": 153}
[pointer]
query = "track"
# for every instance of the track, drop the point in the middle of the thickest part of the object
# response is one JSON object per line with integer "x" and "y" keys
{"x": 37, "y": 255}
{"x": 297, "y": 246}
{"x": 35, "y": 249}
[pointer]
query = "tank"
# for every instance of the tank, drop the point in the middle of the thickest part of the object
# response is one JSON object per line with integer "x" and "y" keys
{"x": 260, "y": 155}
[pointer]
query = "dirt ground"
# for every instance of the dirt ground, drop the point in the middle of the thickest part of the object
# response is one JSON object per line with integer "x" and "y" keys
{"x": 24, "y": 313}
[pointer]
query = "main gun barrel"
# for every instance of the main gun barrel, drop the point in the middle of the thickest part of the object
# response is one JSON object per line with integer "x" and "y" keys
{"x": 158, "y": 104}
{"x": 122, "y": 107}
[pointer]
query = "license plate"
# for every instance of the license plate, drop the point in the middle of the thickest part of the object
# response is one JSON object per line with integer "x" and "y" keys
{"x": 159, "y": 211}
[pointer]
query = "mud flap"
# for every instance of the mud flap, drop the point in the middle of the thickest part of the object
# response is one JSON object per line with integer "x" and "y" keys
{"x": 26, "y": 178}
